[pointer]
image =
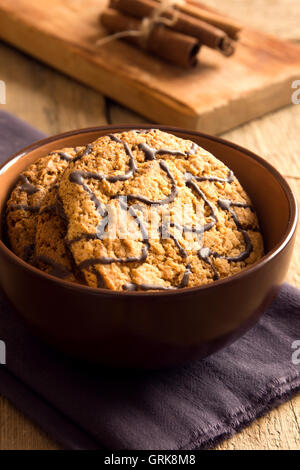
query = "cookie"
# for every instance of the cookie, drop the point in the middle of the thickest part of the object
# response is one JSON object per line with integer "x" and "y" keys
{"x": 51, "y": 252}
{"x": 188, "y": 220}
{"x": 27, "y": 198}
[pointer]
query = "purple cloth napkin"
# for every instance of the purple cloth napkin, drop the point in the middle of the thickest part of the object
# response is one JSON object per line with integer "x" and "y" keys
{"x": 89, "y": 407}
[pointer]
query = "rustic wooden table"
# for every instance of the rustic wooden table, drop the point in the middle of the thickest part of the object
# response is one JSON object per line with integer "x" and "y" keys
{"x": 54, "y": 103}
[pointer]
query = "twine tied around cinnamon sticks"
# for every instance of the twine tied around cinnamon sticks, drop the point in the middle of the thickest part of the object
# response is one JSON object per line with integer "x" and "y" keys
{"x": 148, "y": 23}
{"x": 174, "y": 30}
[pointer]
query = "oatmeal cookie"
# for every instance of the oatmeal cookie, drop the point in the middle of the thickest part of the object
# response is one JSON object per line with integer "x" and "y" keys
{"x": 189, "y": 222}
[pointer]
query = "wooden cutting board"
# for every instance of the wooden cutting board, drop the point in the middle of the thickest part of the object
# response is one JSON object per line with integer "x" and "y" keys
{"x": 219, "y": 94}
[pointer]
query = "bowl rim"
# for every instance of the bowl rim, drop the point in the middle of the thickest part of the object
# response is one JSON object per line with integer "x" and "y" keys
{"x": 284, "y": 241}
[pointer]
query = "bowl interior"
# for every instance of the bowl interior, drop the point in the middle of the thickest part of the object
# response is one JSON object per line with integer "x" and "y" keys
{"x": 269, "y": 194}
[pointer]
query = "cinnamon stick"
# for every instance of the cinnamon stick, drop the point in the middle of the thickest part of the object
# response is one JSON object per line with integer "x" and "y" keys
{"x": 207, "y": 34}
{"x": 198, "y": 10}
{"x": 172, "y": 46}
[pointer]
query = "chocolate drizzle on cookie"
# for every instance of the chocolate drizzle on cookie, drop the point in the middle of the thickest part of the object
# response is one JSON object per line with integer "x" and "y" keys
{"x": 228, "y": 205}
{"x": 190, "y": 183}
{"x": 57, "y": 269}
{"x": 78, "y": 178}
{"x": 182, "y": 251}
{"x": 26, "y": 186}
{"x": 193, "y": 150}
{"x": 28, "y": 252}
{"x": 65, "y": 156}
{"x": 216, "y": 179}
{"x": 23, "y": 207}
{"x": 167, "y": 200}
{"x": 151, "y": 153}
{"x": 88, "y": 149}
{"x": 205, "y": 254}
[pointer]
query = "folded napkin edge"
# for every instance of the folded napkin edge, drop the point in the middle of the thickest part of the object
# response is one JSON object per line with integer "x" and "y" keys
{"x": 278, "y": 391}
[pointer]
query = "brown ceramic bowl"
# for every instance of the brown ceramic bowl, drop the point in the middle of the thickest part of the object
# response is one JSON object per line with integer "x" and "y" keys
{"x": 154, "y": 329}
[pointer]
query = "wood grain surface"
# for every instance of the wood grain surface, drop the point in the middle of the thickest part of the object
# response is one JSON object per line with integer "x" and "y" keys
{"x": 217, "y": 95}
{"x": 54, "y": 103}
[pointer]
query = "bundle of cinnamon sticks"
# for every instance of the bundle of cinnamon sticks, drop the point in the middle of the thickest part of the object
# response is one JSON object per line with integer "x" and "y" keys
{"x": 179, "y": 32}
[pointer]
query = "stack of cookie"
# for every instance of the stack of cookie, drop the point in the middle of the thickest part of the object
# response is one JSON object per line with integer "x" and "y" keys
{"x": 188, "y": 220}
